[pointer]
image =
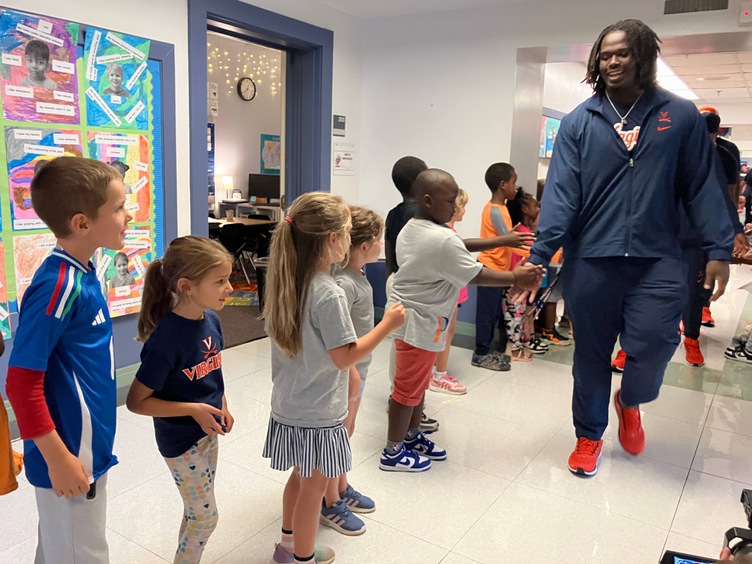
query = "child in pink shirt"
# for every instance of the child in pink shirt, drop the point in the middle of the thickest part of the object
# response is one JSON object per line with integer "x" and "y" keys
{"x": 441, "y": 380}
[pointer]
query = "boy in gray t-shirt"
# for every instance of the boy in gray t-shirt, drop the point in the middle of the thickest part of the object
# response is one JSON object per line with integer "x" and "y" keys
{"x": 434, "y": 265}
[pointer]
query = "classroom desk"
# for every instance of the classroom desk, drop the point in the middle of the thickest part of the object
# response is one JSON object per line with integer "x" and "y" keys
{"x": 240, "y": 220}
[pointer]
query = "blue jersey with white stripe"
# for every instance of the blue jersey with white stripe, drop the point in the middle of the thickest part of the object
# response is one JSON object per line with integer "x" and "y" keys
{"x": 65, "y": 331}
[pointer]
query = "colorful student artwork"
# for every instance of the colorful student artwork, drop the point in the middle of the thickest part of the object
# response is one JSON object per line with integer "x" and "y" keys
{"x": 26, "y": 150}
{"x": 38, "y": 68}
{"x": 67, "y": 89}
{"x": 29, "y": 252}
{"x": 4, "y": 309}
{"x": 270, "y": 154}
{"x": 121, "y": 273}
{"x": 116, "y": 79}
{"x": 130, "y": 155}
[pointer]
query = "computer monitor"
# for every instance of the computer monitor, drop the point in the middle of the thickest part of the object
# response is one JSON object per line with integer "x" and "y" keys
{"x": 263, "y": 186}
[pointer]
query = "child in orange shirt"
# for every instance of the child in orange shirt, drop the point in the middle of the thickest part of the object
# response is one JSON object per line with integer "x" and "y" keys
{"x": 501, "y": 179}
{"x": 11, "y": 462}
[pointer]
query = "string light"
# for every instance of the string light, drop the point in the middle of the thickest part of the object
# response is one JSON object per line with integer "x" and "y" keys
{"x": 249, "y": 64}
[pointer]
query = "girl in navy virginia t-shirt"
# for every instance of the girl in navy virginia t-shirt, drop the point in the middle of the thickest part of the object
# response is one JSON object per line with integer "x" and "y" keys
{"x": 179, "y": 382}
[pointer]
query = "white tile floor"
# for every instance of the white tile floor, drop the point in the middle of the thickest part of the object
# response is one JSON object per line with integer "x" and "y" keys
{"x": 503, "y": 496}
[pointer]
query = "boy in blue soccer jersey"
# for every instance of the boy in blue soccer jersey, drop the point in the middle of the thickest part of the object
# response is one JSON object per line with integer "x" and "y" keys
{"x": 61, "y": 375}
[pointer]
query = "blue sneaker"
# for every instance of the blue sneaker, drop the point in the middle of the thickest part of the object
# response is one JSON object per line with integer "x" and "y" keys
{"x": 405, "y": 460}
{"x": 340, "y": 518}
{"x": 425, "y": 447}
{"x": 356, "y": 501}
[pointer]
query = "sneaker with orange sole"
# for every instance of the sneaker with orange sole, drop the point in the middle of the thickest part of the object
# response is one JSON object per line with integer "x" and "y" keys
{"x": 707, "y": 319}
{"x": 585, "y": 457}
{"x": 617, "y": 365}
{"x": 692, "y": 352}
{"x": 631, "y": 433}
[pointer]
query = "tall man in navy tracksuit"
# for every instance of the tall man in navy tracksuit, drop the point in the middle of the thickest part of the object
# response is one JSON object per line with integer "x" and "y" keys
{"x": 624, "y": 163}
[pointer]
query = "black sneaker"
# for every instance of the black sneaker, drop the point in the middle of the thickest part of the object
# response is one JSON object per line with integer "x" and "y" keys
{"x": 738, "y": 354}
{"x": 536, "y": 345}
{"x": 428, "y": 425}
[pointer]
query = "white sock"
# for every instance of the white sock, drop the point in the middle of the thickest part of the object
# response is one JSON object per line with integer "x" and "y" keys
{"x": 287, "y": 541}
{"x": 439, "y": 375}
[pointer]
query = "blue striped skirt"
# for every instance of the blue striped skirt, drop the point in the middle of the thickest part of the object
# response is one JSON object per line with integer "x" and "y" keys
{"x": 326, "y": 449}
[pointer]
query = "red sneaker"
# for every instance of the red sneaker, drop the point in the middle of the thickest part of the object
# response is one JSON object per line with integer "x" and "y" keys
{"x": 631, "y": 433}
{"x": 692, "y": 352}
{"x": 585, "y": 457}
{"x": 617, "y": 365}
{"x": 707, "y": 319}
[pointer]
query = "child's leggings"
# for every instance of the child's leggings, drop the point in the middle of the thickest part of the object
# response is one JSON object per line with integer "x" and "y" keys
{"x": 193, "y": 472}
{"x": 513, "y": 319}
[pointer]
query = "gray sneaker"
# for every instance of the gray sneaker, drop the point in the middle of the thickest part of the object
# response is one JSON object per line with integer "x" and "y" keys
{"x": 321, "y": 555}
{"x": 491, "y": 362}
{"x": 503, "y": 357}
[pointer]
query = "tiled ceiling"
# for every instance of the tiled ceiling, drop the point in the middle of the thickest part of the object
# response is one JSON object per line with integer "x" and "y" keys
{"x": 716, "y": 77}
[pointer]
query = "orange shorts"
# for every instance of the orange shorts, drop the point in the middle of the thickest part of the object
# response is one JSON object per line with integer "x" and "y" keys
{"x": 413, "y": 372}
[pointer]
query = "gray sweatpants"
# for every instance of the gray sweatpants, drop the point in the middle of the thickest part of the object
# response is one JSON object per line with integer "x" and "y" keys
{"x": 72, "y": 530}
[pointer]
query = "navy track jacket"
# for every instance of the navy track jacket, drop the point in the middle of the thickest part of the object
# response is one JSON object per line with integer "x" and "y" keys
{"x": 601, "y": 200}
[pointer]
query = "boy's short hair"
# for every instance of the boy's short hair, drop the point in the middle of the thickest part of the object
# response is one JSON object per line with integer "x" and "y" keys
{"x": 367, "y": 225}
{"x": 39, "y": 49}
{"x": 66, "y": 186}
{"x": 405, "y": 171}
{"x": 498, "y": 173}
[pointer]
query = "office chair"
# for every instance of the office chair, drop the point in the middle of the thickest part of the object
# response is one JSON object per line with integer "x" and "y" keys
{"x": 233, "y": 238}
{"x": 256, "y": 245}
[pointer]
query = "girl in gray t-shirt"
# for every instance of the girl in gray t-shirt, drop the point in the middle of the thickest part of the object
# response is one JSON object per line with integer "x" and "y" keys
{"x": 365, "y": 247}
{"x": 313, "y": 346}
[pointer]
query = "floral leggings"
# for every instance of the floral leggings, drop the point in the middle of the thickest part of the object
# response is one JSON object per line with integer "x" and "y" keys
{"x": 193, "y": 472}
{"x": 512, "y": 319}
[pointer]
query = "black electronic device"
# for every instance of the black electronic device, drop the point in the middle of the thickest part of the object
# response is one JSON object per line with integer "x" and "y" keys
{"x": 263, "y": 186}
{"x": 92, "y": 493}
{"x": 671, "y": 557}
{"x": 737, "y": 539}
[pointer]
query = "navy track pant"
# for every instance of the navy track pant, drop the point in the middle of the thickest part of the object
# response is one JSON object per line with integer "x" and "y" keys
{"x": 638, "y": 300}
{"x": 698, "y": 297}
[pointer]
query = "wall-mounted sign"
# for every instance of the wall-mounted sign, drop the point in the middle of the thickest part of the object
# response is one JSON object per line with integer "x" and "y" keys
{"x": 338, "y": 127}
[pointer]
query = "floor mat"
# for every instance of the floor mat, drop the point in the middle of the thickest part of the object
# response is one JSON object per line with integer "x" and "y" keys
{"x": 243, "y": 294}
{"x": 241, "y": 325}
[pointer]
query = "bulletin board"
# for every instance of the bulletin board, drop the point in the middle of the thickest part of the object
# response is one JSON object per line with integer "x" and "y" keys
{"x": 76, "y": 90}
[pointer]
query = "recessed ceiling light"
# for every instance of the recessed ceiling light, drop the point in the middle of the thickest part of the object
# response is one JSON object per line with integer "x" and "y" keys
{"x": 714, "y": 78}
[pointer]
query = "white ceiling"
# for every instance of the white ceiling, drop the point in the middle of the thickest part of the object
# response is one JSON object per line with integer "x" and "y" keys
{"x": 716, "y": 77}
{"x": 387, "y": 8}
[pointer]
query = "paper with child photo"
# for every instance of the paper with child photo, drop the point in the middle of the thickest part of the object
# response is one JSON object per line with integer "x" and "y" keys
{"x": 38, "y": 68}
{"x": 121, "y": 272}
{"x": 130, "y": 155}
{"x": 116, "y": 79}
{"x": 29, "y": 252}
{"x": 26, "y": 150}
